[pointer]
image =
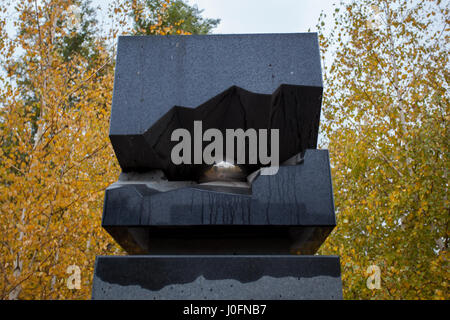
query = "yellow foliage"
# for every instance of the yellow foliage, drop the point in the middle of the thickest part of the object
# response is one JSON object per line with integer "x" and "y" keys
{"x": 55, "y": 155}
{"x": 386, "y": 111}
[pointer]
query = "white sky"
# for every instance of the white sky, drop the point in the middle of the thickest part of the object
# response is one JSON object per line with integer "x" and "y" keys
{"x": 265, "y": 16}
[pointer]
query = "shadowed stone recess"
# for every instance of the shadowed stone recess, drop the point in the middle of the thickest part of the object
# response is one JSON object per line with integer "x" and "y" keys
{"x": 293, "y": 110}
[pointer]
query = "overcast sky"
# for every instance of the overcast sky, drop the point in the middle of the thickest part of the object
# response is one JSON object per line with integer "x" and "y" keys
{"x": 264, "y": 16}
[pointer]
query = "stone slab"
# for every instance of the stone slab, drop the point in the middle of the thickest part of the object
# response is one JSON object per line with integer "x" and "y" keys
{"x": 260, "y": 81}
{"x": 292, "y": 211}
{"x": 217, "y": 278}
{"x": 155, "y": 73}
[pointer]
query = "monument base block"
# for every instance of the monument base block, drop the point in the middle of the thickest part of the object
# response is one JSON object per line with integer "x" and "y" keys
{"x": 217, "y": 277}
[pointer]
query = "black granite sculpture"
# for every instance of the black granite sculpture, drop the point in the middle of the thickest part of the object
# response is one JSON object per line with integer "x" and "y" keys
{"x": 198, "y": 236}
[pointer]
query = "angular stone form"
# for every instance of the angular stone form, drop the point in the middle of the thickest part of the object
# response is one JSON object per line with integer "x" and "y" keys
{"x": 290, "y": 212}
{"x": 217, "y": 277}
{"x": 266, "y": 81}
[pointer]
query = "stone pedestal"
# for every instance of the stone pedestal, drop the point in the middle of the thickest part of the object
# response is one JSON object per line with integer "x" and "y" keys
{"x": 222, "y": 277}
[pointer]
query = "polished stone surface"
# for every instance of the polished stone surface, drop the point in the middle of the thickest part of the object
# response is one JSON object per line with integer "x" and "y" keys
{"x": 217, "y": 277}
{"x": 155, "y": 73}
{"x": 292, "y": 211}
{"x": 267, "y": 81}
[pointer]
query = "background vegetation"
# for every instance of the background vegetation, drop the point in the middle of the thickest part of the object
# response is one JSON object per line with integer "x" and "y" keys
{"x": 385, "y": 122}
{"x": 386, "y": 113}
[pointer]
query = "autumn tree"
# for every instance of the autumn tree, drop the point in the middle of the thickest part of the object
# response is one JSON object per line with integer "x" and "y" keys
{"x": 55, "y": 155}
{"x": 386, "y": 113}
{"x": 175, "y": 17}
